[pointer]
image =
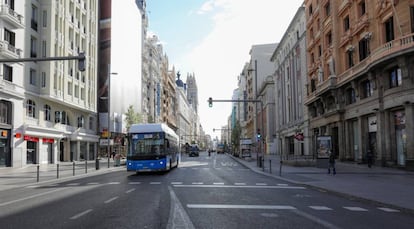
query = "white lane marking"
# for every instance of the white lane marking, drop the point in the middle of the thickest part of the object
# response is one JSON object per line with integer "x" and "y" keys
{"x": 237, "y": 186}
{"x": 115, "y": 182}
{"x": 197, "y": 183}
{"x": 30, "y": 197}
{"x": 282, "y": 184}
{"x": 389, "y": 210}
{"x": 93, "y": 183}
{"x": 356, "y": 209}
{"x": 73, "y": 184}
{"x": 261, "y": 184}
{"x": 33, "y": 186}
{"x": 155, "y": 182}
{"x": 176, "y": 183}
{"x": 238, "y": 206}
{"x": 315, "y": 219}
{"x": 134, "y": 182}
{"x": 81, "y": 214}
{"x": 218, "y": 183}
{"x": 239, "y": 183}
{"x": 178, "y": 216}
{"x": 131, "y": 190}
{"x": 110, "y": 200}
{"x": 320, "y": 208}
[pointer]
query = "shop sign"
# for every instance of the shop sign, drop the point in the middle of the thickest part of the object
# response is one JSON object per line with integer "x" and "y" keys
{"x": 48, "y": 140}
{"x": 30, "y": 138}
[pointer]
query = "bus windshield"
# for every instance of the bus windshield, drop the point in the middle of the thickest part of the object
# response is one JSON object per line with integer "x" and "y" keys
{"x": 146, "y": 147}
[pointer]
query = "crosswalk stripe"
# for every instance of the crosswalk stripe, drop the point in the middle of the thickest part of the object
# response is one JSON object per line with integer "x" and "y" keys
{"x": 236, "y": 206}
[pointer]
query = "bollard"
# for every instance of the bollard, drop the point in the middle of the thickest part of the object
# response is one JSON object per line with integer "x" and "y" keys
{"x": 263, "y": 162}
{"x": 73, "y": 168}
{"x": 57, "y": 172}
{"x": 38, "y": 168}
{"x": 270, "y": 166}
{"x": 86, "y": 166}
{"x": 280, "y": 170}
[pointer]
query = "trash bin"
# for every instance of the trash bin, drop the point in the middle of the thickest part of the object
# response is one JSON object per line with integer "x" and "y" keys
{"x": 97, "y": 163}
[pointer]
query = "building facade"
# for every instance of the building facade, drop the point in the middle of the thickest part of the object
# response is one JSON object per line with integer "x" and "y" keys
{"x": 360, "y": 78}
{"x": 290, "y": 77}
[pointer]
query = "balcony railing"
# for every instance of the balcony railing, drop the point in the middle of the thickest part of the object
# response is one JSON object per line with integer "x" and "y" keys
{"x": 8, "y": 50}
{"x": 8, "y": 14}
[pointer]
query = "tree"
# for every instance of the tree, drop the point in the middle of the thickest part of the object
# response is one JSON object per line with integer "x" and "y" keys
{"x": 132, "y": 117}
{"x": 235, "y": 136}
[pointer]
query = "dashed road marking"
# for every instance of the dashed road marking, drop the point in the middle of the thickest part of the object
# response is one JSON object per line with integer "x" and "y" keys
{"x": 176, "y": 183}
{"x": 81, "y": 214}
{"x": 389, "y": 210}
{"x": 115, "y": 182}
{"x": 218, "y": 183}
{"x": 197, "y": 183}
{"x": 239, "y": 183}
{"x": 320, "y": 208}
{"x": 134, "y": 182}
{"x": 110, "y": 200}
{"x": 73, "y": 184}
{"x": 237, "y": 206}
{"x": 237, "y": 186}
{"x": 129, "y": 191}
{"x": 356, "y": 209}
{"x": 155, "y": 182}
{"x": 261, "y": 184}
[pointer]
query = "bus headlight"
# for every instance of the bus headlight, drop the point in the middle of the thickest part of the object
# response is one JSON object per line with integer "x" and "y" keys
{"x": 161, "y": 162}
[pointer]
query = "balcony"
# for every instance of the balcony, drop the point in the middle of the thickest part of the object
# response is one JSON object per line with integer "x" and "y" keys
{"x": 11, "y": 16}
{"x": 385, "y": 51}
{"x": 9, "y": 51}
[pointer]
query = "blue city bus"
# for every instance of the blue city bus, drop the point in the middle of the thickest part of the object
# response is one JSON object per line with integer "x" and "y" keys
{"x": 152, "y": 147}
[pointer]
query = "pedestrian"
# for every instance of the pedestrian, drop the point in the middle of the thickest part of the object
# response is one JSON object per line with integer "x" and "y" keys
{"x": 331, "y": 163}
{"x": 370, "y": 158}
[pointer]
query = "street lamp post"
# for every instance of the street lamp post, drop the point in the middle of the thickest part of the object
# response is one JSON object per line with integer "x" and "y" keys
{"x": 108, "y": 146}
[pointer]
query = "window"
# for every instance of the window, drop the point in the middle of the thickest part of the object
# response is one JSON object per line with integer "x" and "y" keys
{"x": 327, "y": 9}
{"x": 44, "y": 20}
{"x": 389, "y": 29}
{"x": 363, "y": 49}
{"x": 329, "y": 38}
{"x": 58, "y": 117}
{"x": 32, "y": 77}
{"x": 34, "y": 18}
{"x": 30, "y": 108}
{"x": 5, "y": 112}
{"x": 81, "y": 121}
{"x": 69, "y": 88}
{"x": 33, "y": 47}
{"x": 43, "y": 80}
{"x": 395, "y": 77}
{"x": 310, "y": 10}
{"x": 367, "y": 88}
{"x": 47, "y": 112}
{"x": 91, "y": 123}
{"x": 412, "y": 18}
{"x": 7, "y": 73}
{"x": 44, "y": 48}
{"x": 83, "y": 93}
{"x": 350, "y": 58}
{"x": 350, "y": 96}
{"x": 346, "y": 23}
{"x": 362, "y": 8}
{"x": 10, "y": 37}
{"x": 76, "y": 91}
{"x": 320, "y": 50}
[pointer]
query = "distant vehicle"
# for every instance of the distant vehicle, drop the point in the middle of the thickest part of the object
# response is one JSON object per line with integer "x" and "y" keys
{"x": 220, "y": 148}
{"x": 152, "y": 147}
{"x": 194, "y": 150}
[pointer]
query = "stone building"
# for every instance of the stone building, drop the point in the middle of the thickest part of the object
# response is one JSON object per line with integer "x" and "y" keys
{"x": 360, "y": 89}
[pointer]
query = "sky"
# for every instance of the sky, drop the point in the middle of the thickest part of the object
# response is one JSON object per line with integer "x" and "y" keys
{"x": 212, "y": 40}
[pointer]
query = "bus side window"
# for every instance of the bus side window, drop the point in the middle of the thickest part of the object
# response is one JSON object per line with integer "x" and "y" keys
{"x": 167, "y": 143}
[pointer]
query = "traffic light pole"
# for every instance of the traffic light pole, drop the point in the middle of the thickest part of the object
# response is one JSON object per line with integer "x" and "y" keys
{"x": 81, "y": 58}
{"x": 211, "y": 100}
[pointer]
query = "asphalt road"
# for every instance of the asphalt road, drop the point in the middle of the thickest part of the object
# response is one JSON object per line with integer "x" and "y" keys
{"x": 203, "y": 192}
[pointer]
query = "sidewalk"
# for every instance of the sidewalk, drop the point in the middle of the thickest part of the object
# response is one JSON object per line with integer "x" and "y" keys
{"x": 29, "y": 175}
{"x": 388, "y": 186}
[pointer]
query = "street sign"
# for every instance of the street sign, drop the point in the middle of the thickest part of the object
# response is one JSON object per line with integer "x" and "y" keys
{"x": 104, "y": 142}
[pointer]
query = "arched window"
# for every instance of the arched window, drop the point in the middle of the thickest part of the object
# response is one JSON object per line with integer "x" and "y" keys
{"x": 30, "y": 108}
{"x": 46, "y": 110}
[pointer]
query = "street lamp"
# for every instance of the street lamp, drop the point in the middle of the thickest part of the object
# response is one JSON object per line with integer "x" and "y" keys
{"x": 108, "y": 99}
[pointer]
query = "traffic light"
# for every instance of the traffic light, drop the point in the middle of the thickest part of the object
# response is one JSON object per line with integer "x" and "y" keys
{"x": 81, "y": 62}
{"x": 258, "y": 136}
{"x": 210, "y": 102}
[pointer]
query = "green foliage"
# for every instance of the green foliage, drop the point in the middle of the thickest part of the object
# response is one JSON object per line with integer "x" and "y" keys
{"x": 235, "y": 135}
{"x": 132, "y": 117}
